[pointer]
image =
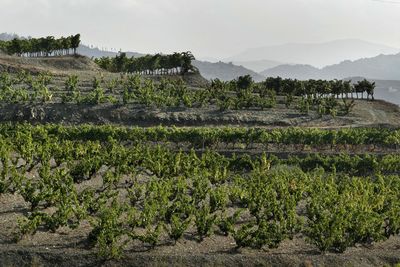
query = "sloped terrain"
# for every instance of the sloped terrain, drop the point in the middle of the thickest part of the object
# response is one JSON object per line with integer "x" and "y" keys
{"x": 365, "y": 112}
{"x": 58, "y": 65}
{"x": 71, "y": 247}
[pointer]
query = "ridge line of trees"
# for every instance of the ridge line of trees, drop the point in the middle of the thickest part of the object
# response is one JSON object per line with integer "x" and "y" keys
{"x": 158, "y": 64}
{"x": 318, "y": 88}
{"x": 41, "y": 47}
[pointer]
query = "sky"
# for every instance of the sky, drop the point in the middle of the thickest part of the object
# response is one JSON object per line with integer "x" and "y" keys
{"x": 208, "y": 28}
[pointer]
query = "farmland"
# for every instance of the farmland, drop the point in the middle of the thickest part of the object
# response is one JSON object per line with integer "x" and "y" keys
{"x": 133, "y": 165}
{"x": 139, "y": 188}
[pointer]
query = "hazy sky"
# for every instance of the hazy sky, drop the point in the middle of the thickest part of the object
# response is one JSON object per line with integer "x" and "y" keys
{"x": 209, "y": 28}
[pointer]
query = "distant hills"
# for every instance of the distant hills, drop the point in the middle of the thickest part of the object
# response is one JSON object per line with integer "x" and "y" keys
{"x": 383, "y": 67}
{"x": 96, "y": 52}
{"x": 224, "y": 71}
{"x": 315, "y": 54}
{"x": 258, "y": 65}
{"x": 7, "y": 36}
{"x": 300, "y": 72}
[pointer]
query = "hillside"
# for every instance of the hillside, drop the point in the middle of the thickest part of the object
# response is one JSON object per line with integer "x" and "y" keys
{"x": 57, "y": 65}
{"x": 300, "y": 72}
{"x": 224, "y": 71}
{"x": 365, "y": 113}
{"x": 382, "y": 67}
{"x": 258, "y": 65}
{"x": 94, "y": 52}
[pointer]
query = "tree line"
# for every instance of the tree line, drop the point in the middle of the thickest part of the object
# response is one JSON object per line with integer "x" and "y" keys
{"x": 316, "y": 88}
{"x": 41, "y": 47}
{"x": 158, "y": 64}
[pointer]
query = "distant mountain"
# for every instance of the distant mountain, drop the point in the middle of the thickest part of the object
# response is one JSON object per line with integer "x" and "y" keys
{"x": 208, "y": 59}
{"x": 258, "y": 65}
{"x": 318, "y": 54}
{"x": 388, "y": 90}
{"x": 224, "y": 71}
{"x": 300, "y": 72}
{"x": 96, "y": 52}
{"x": 383, "y": 67}
{"x": 7, "y": 36}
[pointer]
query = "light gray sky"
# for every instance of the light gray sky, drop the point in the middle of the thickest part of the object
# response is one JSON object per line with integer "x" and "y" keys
{"x": 209, "y": 28}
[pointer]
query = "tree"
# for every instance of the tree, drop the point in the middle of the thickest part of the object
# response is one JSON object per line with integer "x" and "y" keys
{"x": 15, "y": 46}
{"x": 244, "y": 82}
{"x": 365, "y": 86}
{"x": 337, "y": 87}
{"x": 75, "y": 42}
{"x": 48, "y": 45}
{"x": 149, "y": 64}
{"x": 371, "y": 89}
{"x": 187, "y": 58}
{"x": 347, "y": 88}
{"x": 120, "y": 62}
{"x": 273, "y": 84}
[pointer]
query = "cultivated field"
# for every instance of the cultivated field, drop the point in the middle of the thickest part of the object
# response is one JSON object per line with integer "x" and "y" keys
{"x": 101, "y": 168}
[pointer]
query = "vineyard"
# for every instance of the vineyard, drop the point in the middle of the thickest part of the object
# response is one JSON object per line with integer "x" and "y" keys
{"x": 240, "y": 94}
{"x": 155, "y": 186}
{"x": 141, "y": 161}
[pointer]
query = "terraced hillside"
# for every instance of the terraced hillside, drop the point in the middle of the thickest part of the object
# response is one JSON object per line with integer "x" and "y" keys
{"x": 111, "y": 169}
{"x": 86, "y": 77}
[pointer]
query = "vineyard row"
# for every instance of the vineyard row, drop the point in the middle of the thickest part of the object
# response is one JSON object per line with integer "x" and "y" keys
{"x": 152, "y": 195}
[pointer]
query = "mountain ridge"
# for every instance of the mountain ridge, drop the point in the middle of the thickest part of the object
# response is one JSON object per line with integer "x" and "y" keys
{"x": 383, "y": 67}
{"x": 315, "y": 54}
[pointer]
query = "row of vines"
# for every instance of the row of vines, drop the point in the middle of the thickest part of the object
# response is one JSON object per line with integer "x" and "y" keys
{"x": 151, "y": 195}
{"x": 201, "y": 137}
{"x": 132, "y": 89}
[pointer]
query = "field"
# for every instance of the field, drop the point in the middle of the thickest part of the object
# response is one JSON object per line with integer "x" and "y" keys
{"x": 101, "y": 168}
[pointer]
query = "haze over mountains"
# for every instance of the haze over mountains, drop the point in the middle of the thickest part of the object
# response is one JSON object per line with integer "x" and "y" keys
{"x": 258, "y": 65}
{"x": 315, "y": 54}
{"x": 224, "y": 71}
{"x": 331, "y": 60}
{"x": 384, "y": 67}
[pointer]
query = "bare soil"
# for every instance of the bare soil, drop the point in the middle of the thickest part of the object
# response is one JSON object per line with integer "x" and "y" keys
{"x": 365, "y": 113}
{"x": 55, "y": 65}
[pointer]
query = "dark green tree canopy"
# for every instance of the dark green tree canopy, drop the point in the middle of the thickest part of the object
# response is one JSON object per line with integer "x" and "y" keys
{"x": 176, "y": 63}
{"x": 316, "y": 87}
{"x": 39, "y": 47}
